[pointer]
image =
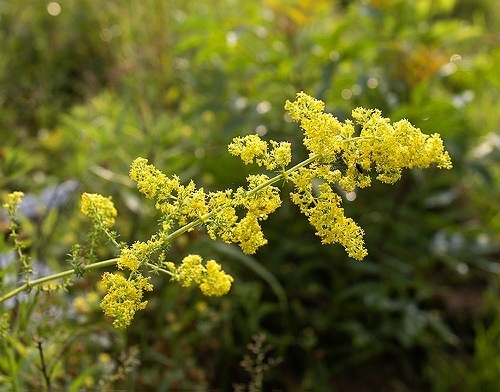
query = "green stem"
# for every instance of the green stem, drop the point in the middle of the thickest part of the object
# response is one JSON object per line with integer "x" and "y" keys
{"x": 59, "y": 275}
{"x": 155, "y": 268}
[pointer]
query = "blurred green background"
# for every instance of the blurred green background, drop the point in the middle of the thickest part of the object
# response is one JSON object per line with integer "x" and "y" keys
{"x": 86, "y": 86}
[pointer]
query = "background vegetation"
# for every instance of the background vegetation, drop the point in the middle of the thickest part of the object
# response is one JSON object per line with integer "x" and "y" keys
{"x": 87, "y": 86}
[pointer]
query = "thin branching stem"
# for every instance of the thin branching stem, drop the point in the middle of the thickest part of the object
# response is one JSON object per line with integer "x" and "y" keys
{"x": 43, "y": 367}
{"x": 33, "y": 283}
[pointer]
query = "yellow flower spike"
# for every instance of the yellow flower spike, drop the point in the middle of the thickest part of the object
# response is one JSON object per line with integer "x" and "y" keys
{"x": 124, "y": 297}
{"x": 221, "y": 224}
{"x": 177, "y": 202}
{"x": 148, "y": 178}
{"x": 252, "y": 149}
{"x": 260, "y": 203}
{"x": 98, "y": 208}
{"x": 328, "y": 218}
{"x": 128, "y": 259}
{"x": 322, "y": 131}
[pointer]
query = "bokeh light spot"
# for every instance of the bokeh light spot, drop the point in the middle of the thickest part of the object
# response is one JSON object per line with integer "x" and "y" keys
{"x": 263, "y": 107}
{"x": 372, "y": 83}
{"x": 53, "y": 8}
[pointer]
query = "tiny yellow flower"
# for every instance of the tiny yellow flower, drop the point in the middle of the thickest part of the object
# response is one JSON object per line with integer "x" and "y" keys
{"x": 98, "y": 208}
{"x": 190, "y": 270}
{"x": 211, "y": 279}
{"x": 215, "y": 282}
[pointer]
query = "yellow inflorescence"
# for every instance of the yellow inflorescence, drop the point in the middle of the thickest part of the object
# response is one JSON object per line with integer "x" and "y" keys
{"x": 345, "y": 157}
{"x": 327, "y": 217}
{"x": 13, "y": 200}
{"x": 341, "y": 154}
{"x": 99, "y": 208}
{"x": 124, "y": 297}
{"x": 211, "y": 279}
{"x": 137, "y": 254}
{"x": 252, "y": 148}
{"x": 175, "y": 201}
{"x": 215, "y": 281}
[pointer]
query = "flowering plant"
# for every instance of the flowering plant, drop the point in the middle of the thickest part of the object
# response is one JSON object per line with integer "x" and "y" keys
{"x": 341, "y": 154}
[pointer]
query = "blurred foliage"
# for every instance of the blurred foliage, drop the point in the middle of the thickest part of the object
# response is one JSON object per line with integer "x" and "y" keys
{"x": 86, "y": 91}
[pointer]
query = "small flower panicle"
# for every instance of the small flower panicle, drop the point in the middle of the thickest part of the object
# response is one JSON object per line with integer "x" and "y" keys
{"x": 327, "y": 217}
{"x": 98, "y": 208}
{"x": 138, "y": 254}
{"x": 248, "y": 234}
{"x": 178, "y": 203}
{"x": 215, "y": 281}
{"x": 12, "y": 203}
{"x": 124, "y": 297}
{"x": 386, "y": 147}
{"x": 344, "y": 158}
{"x": 210, "y": 278}
{"x": 221, "y": 224}
{"x": 252, "y": 148}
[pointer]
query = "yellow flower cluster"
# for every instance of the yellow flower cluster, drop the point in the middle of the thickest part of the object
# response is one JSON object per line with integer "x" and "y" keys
{"x": 137, "y": 254}
{"x": 393, "y": 147}
{"x": 124, "y": 297}
{"x": 259, "y": 200}
{"x": 252, "y": 148}
{"x": 387, "y": 147}
{"x": 340, "y": 153}
{"x": 246, "y": 232}
{"x": 178, "y": 203}
{"x": 98, "y": 208}
{"x": 219, "y": 211}
{"x": 327, "y": 217}
{"x": 342, "y": 156}
{"x": 211, "y": 279}
{"x": 13, "y": 200}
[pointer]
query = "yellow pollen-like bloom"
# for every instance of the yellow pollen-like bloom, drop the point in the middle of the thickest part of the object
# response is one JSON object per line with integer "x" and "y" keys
{"x": 211, "y": 279}
{"x": 215, "y": 281}
{"x": 124, "y": 297}
{"x": 190, "y": 270}
{"x": 249, "y": 235}
{"x": 252, "y": 148}
{"x": 98, "y": 208}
